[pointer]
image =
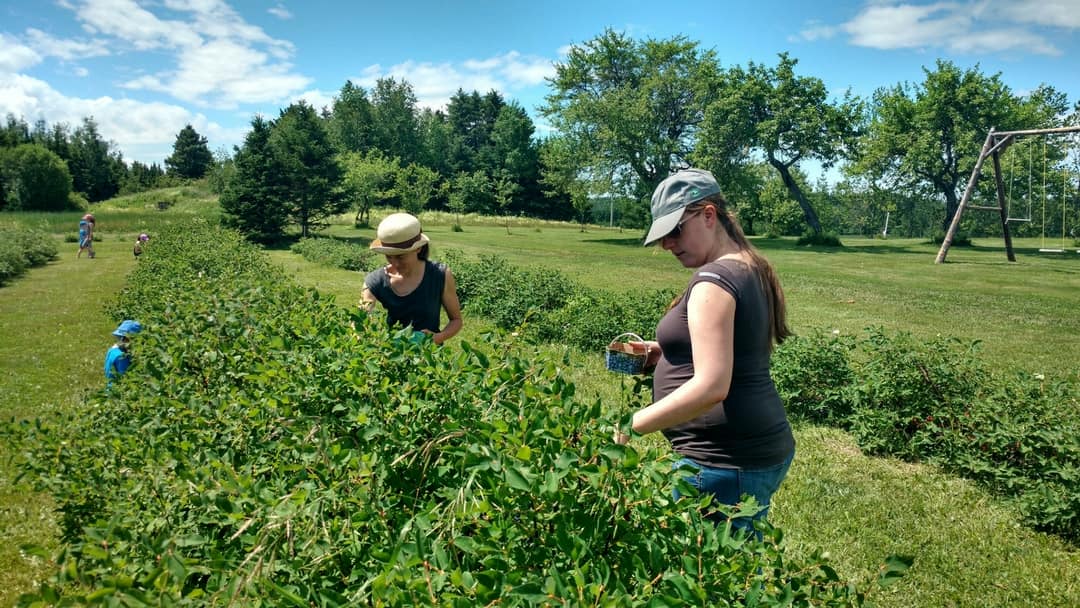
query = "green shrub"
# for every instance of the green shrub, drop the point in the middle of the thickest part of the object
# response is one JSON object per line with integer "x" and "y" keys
{"x": 960, "y": 239}
{"x": 260, "y": 451}
{"x": 815, "y": 239}
{"x": 905, "y": 389}
{"x": 21, "y": 249}
{"x": 814, "y": 377}
{"x": 337, "y": 253}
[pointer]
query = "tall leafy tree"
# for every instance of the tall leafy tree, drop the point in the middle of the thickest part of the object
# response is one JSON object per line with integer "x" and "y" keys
{"x": 369, "y": 179}
{"x": 632, "y": 108}
{"x": 310, "y": 172}
{"x": 437, "y": 141}
{"x": 191, "y": 156}
{"x": 394, "y": 115}
{"x": 351, "y": 124}
{"x": 772, "y": 113}
{"x": 254, "y": 200}
{"x": 515, "y": 156}
{"x": 927, "y": 137}
{"x": 33, "y": 179}
{"x": 416, "y": 185}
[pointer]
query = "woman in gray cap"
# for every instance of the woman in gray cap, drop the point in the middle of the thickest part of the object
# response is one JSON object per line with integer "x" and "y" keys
{"x": 713, "y": 395}
{"x": 413, "y": 290}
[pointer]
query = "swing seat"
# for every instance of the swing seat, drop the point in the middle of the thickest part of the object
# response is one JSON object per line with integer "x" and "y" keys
{"x": 1042, "y": 250}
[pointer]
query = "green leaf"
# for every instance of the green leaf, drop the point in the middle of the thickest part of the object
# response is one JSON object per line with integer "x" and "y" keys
{"x": 894, "y": 568}
{"x": 519, "y": 478}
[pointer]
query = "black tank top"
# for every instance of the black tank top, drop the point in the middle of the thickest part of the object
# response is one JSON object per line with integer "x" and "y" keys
{"x": 750, "y": 428}
{"x": 421, "y": 307}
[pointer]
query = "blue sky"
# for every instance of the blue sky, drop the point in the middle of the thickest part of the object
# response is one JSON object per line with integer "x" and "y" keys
{"x": 145, "y": 68}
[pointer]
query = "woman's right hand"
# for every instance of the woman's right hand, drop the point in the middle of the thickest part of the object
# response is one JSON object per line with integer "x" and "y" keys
{"x": 652, "y": 352}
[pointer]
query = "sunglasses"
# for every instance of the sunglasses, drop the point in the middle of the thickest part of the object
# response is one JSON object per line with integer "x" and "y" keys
{"x": 676, "y": 232}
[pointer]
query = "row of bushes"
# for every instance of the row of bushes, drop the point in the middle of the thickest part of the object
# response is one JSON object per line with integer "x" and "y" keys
{"x": 1017, "y": 434}
{"x": 21, "y": 249}
{"x": 337, "y": 253}
{"x": 930, "y": 401}
{"x": 263, "y": 452}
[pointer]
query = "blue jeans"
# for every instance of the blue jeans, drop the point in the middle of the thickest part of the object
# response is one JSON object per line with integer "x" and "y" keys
{"x": 728, "y": 486}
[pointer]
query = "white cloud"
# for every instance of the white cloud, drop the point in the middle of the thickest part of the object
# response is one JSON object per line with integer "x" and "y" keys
{"x": 68, "y": 50}
{"x": 229, "y": 72}
{"x": 316, "y": 98}
{"x": 435, "y": 83}
{"x": 142, "y": 131}
{"x": 1053, "y": 13}
{"x": 15, "y": 56}
{"x": 815, "y": 31}
{"x": 280, "y": 12}
{"x": 220, "y": 60}
{"x": 984, "y": 26}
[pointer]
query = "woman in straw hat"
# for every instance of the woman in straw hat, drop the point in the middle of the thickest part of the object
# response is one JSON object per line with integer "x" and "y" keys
{"x": 413, "y": 290}
{"x": 713, "y": 396}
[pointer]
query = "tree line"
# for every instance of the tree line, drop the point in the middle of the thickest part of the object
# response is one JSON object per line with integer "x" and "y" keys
{"x": 56, "y": 168}
{"x": 625, "y": 113}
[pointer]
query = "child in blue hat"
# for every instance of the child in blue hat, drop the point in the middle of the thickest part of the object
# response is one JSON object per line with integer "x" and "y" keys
{"x": 117, "y": 360}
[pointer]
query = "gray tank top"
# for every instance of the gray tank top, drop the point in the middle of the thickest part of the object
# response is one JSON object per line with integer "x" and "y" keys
{"x": 750, "y": 428}
{"x": 419, "y": 308}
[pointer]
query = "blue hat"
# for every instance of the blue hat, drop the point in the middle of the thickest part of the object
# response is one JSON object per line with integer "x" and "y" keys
{"x": 127, "y": 328}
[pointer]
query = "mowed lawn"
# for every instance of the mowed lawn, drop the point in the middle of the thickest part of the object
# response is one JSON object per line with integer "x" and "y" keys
{"x": 970, "y": 550}
{"x": 1024, "y": 313}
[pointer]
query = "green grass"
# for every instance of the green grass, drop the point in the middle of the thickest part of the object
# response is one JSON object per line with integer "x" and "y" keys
{"x": 1024, "y": 313}
{"x": 52, "y": 349}
{"x": 969, "y": 549}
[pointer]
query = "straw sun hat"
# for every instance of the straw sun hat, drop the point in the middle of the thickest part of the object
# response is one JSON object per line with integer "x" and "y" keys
{"x": 398, "y": 233}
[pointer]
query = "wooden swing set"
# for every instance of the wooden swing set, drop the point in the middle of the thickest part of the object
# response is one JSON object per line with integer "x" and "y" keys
{"x": 996, "y": 143}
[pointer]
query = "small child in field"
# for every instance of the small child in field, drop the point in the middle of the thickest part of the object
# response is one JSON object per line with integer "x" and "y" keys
{"x": 86, "y": 235}
{"x": 139, "y": 242}
{"x": 118, "y": 359}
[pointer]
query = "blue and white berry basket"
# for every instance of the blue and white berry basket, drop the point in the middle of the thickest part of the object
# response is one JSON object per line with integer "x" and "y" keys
{"x": 624, "y": 357}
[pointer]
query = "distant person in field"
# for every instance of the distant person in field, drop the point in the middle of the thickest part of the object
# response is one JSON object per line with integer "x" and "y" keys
{"x": 118, "y": 359}
{"x": 86, "y": 236}
{"x": 139, "y": 243}
{"x": 413, "y": 289}
{"x": 713, "y": 395}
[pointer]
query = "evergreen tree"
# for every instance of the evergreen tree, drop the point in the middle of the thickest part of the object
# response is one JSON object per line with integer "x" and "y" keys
{"x": 309, "y": 172}
{"x": 254, "y": 201}
{"x": 95, "y": 169}
{"x": 191, "y": 157}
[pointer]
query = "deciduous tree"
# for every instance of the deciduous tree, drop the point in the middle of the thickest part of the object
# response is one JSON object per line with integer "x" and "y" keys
{"x": 771, "y": 112}
{"x": 632, "y": 108}
{"x": 926, "y": 138}
{"x": 369, "y": 178}
{"x": 33, "y": 179}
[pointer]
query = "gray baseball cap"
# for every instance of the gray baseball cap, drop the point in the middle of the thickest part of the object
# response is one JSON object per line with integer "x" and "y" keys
{"x": 674, "y": 194}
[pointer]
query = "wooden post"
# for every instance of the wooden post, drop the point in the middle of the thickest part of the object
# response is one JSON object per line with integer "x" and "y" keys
{"x": 1001, "y": 206}
{"x": 964, "y": 199}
